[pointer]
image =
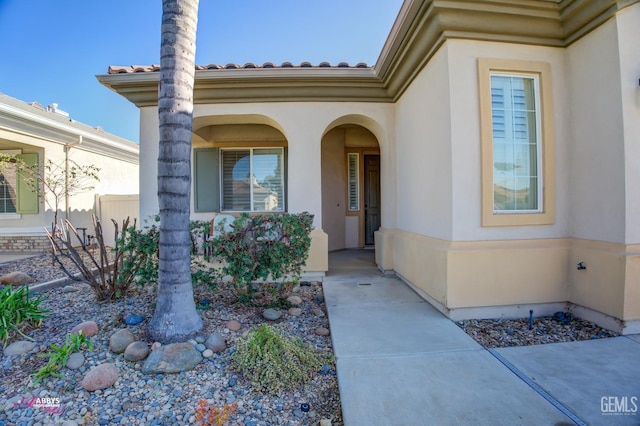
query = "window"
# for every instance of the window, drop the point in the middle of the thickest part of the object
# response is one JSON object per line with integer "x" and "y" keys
{"x": 517, "y": 143}
{"x": 252, "y": 179}
{"x": 16, "y": 196}
{"x": 354, "y": 181}
{"x": 239, "y": 179}
{"x": 516, "y": 149}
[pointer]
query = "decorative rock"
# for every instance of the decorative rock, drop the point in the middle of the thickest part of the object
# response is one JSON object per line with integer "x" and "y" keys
{"x": 20, "y": 347}
{"x": 201, "y": 347}
{"x": 317, "y": 312}
{"x": 133, "y": 319}
{"x": 294, "y": 300}
{"x": 75, "y": 361}
{"x": 155, "y": 345}
{"x": 119, "y": 341}
{"x": 15, "y": 278}
{"x": 294, "y": 312}
{"x": 207, "y": 353}
{"x": 325, "y": 422}
{"x": 172, "y": 358}
{"x": 136, "y": 351}
{"x": 216, "y": 342}
{"x": 100, "y": 377}
{"x": 88, "y": 328}
{"x": 271, "y": 314}
{"x": 233, "y": 325}
{"x": 321, "y": 331}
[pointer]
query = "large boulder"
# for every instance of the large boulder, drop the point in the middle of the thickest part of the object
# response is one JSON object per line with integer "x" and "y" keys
{"x": 100, "y": 377}
{"x": 172, "y": 358}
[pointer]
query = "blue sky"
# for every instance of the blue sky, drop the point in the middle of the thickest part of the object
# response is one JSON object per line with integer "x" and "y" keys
{"x": 50, "y": 51}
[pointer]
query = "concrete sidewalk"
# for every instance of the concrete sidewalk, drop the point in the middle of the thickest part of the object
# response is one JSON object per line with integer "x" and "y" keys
{"x": 401, "y": 362}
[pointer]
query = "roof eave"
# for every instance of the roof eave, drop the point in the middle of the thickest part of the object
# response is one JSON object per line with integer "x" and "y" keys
{"x": 259, "y": 85}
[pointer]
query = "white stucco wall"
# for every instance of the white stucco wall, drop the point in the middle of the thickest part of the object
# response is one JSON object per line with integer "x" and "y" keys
{"x": 424, "y": 183}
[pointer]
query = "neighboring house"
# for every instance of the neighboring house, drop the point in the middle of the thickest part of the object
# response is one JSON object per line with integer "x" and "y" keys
{"x": 38, "y": 134}
{"x": 492, "y": 148}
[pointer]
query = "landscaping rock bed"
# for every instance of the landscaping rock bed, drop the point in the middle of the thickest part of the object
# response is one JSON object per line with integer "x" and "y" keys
{"x": 502, "y": 333}
{"x": 137, "y": 398}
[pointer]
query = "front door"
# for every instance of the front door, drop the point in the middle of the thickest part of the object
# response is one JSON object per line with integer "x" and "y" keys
{"x": 371, "y": 197}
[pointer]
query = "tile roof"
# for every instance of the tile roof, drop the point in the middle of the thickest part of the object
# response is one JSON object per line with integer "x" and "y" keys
{"x": 117, "y": 69}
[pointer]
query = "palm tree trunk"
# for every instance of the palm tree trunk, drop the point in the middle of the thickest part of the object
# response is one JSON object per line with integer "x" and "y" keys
{"x": 175, "y": 318}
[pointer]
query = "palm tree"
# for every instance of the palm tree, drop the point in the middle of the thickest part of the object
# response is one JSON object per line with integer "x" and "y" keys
{"x": 175, "y": 318}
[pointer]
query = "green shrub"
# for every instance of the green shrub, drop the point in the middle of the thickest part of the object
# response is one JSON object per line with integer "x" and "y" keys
{"x": 275, "y": 363}
{"x": 58, "y": 358}
{"x": 16, "y": 308}
{"x": 142, "y": 246}
{"x": 267, "y": 248}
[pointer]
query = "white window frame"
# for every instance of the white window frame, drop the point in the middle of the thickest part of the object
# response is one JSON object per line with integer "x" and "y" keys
{"x": 251, "y": 150}
{"x": 353, "y": 180}
{"x": 538, "y": 128}
{"x": 11, "y": 216}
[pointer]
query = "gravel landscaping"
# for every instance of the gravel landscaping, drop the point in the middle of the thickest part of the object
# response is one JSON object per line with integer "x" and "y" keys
{"x": 504, "y": 333}
{"x": 161, "y": 399}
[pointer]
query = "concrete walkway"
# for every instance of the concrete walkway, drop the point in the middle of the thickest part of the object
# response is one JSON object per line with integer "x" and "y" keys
{"x": 401, "y": 362}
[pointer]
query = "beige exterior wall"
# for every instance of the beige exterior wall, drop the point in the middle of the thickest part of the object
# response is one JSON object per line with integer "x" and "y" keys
{"x": 304, "y": 126}
{"x": 441, "y": 247}
{"x": 598, "y": 157}
{"x": 424, "y": 153}
{"x": 628, "y": 22}
{"x": 116, "y": 177}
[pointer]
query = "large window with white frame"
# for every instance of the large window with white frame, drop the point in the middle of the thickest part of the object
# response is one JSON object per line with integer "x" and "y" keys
{"x": 517, "y": 143}
{"x": 252, "y": 179}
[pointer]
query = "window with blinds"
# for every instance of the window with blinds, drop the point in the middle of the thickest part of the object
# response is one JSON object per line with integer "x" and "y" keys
{"x": 353, "y": 184}
{"x": 8, "y": 189}
{"x": 252, "y": 179}
{"x": 516, "y": 147}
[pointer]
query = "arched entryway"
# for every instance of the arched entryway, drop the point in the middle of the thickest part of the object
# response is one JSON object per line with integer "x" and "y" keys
{"x": 351, "y": 208}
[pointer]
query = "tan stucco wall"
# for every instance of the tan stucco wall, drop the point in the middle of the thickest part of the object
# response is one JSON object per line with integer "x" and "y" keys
{"x": 303, "y": 125}
{"x": 598, "y": 157}
{"x": 333, "y": 186}
{"x": 628, "y": 22}
{"x": 466, "y": 143}
{"x": 610, "y": 283}
{"x": 439, "y": 244}
{"x": 424, "y": 154}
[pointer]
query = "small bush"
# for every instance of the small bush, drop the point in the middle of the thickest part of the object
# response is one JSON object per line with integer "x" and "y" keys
{"x": 58, "y": 358}
{"x": 17, "y": 308}
{"x": 264, "y": 248}
{"x": 275, "y": 363}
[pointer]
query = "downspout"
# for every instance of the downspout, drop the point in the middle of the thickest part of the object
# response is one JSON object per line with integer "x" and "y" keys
{"x": 67, "y": 147}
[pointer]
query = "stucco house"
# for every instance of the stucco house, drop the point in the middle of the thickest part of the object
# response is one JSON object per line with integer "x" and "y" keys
{"x": 37, "y": 134}
{"x": 492, "y": 148}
